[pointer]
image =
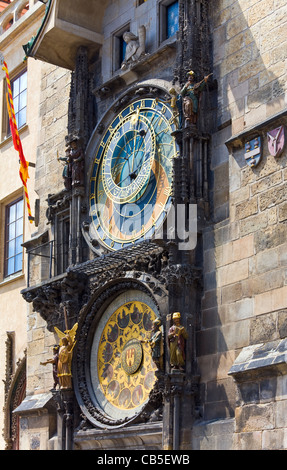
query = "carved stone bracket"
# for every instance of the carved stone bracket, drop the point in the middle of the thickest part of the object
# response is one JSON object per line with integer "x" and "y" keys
{"x": 182, "y": 274}
{"x": 48, "y": 298}
{"x": 64, "y": 402}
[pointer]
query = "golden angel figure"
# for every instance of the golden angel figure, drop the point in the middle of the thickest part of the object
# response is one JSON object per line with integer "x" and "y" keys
{"x": 67, "y": 343}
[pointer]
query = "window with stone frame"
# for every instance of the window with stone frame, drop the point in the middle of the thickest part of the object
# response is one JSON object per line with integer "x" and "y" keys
{"x": 119, "y": 48}
{"x": 19, "y": 93}
{"x": 61, "y": 249}
{"x": 19, "y": 90}
{"x": 169, "y": 19}
{"x": 14, "y": 227}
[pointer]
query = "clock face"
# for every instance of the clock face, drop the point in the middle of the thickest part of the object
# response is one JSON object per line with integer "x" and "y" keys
{"x": 130, "y": 185}
{"x": 122, "y": 369}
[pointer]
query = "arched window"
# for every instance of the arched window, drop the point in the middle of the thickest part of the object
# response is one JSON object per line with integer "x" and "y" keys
{"x": 24, "y": 10}
{"x": 8, "y": 24}
{"x": 18, "y": 396}
{"x": 15, "y": 392}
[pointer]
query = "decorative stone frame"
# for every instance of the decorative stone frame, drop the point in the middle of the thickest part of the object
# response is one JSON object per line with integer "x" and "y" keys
{"x": 15, "y": 386}
{"x": 88, "y": 320}
{"x": 116, "y": 39}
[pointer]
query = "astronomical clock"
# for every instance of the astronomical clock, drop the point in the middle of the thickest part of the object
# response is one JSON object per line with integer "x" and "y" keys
{"x": 131, "y": 157}
{"x": 130, "y": 185}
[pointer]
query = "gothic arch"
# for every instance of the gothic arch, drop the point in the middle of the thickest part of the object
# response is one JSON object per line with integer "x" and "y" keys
{"x": 14, "y": 396}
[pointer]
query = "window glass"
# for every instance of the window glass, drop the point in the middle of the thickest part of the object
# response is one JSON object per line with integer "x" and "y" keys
{"x": 14, "y": 238}
{"x": 172, "y": 19}
{"x": 123, "y": 46}
{"x": 19, "y": 89}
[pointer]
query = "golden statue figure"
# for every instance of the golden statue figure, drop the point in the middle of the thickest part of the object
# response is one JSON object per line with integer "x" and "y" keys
{"x": 177, "y": 336}
{"x": 67, "y": 343}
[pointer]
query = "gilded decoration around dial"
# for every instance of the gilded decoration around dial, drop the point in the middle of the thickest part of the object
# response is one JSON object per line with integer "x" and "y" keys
{"x": 125, "y": 369}
{"x": 131, "y": 180}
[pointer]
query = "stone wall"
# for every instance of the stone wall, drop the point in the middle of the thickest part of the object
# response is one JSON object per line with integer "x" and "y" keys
{"x": 37, "y": 426}
{"x": 55, "y": 89}
{"x": 53, "y": 121}
{"x": 245, "y": 297}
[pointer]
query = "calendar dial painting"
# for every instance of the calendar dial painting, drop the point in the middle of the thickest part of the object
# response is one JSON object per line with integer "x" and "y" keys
{"x": 122, "y": 369}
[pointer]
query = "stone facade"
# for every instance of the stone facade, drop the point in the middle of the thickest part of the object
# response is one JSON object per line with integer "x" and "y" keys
{"x": 245, "y": 273}
{"x": 13, "y": 318}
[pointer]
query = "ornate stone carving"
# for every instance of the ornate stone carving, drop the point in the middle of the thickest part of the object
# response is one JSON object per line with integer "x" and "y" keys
{"x": 54, "y": 361}
{"x": 190, "y": 97}
{"x": 48, "y": 299}
{"x": 135, "y": 49}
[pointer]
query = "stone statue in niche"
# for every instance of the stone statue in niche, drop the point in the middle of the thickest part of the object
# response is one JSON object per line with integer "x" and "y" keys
{"x": 67, "y": 170}
{"x": 135, "y": 48}
{"x": 177, "y": 335}
{"x": 156, "y": 344}
{"x": 54, "y": 362}
{"x": 191, "y": 97}
{"x": 74, "y": 163}
{"x": 77, "y": 160}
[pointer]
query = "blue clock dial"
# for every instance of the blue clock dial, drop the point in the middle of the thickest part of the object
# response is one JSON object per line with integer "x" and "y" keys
{"x": 130, "y": 185}
{"x": 128, "y": 158}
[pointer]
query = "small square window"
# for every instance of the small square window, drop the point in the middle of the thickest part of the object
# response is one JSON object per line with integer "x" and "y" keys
{"x": 123, "y": 46}
{"x": 169, "y": 19}
{"x": 119, "y": 48}
{"x": 14, "y": 237}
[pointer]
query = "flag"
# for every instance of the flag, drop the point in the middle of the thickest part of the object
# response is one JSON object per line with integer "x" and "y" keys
{"x": 13, "y": 131}
{"x": 23, "y": 171}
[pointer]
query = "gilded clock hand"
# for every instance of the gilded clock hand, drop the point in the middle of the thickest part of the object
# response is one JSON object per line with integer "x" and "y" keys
{"x": 117, "y": 170}
{"x": 131, "y": 174}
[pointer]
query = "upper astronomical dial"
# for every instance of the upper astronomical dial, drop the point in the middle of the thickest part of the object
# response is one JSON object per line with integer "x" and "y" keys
{"x": 131, "y": 180}
{"x": 128, "y": 158}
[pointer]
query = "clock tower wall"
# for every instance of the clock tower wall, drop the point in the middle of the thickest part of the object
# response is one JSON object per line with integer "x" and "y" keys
{"x": 131, "y": 169}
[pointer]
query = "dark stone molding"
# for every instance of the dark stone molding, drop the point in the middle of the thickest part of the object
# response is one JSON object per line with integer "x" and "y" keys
{"x": 132, "y": 437}
{"x": 49, "y": 297}
{"x": 238, "y": 140}
{"x": 260, "y": 361}
{"x": 135, "y": 72}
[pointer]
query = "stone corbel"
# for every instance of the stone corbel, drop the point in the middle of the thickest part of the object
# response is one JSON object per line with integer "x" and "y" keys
{"x": 260, "y": 361}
